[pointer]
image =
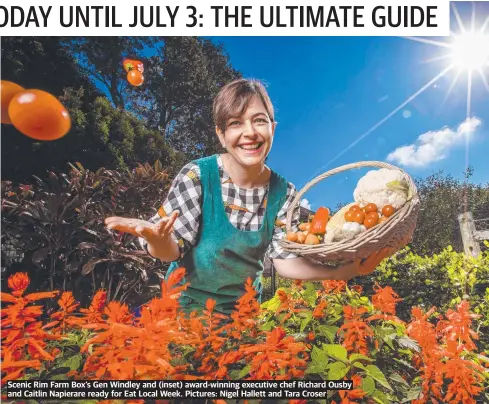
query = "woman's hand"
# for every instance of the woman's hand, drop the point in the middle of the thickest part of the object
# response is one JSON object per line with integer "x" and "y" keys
{"x": 368, "y": 265}
{"x": 142, "y": 228}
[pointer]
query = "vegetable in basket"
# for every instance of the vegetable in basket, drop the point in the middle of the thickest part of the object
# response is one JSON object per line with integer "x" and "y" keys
{"x": 382, "y": 187}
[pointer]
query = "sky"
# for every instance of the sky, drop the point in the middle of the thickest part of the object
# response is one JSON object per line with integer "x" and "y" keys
{"x": 338, "y": 100}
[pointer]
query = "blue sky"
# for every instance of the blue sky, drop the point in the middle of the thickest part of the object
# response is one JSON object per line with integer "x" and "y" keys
{"x": 329, "y": 91}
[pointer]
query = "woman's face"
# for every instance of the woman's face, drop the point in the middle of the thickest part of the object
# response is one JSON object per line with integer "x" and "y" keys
{"x": 248, "y": 138}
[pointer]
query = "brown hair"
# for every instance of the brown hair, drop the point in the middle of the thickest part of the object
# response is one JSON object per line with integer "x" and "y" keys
{"x": 234, "y": 97}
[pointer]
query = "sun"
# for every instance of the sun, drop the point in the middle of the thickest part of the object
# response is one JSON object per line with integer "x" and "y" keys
{"x": 470, "y": 50}
{"x": 466, "y": 54}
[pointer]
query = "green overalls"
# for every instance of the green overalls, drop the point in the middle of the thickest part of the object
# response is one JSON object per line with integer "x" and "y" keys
{"x": 224, "y": 256}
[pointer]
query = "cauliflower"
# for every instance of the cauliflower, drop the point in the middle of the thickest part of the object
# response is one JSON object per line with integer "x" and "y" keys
{"x": 382, "y": 187}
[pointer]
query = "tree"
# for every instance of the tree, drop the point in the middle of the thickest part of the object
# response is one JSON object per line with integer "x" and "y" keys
{"x": 182, "y": 80}
{"x": 101, "y": 58}
{"x": 443, "y": 198}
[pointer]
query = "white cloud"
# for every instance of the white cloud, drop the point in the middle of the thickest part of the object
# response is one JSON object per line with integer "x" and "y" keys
{"x": 305, "y": 204}
{"x": 434, "y": 145}
{"x": 382, "y": 99}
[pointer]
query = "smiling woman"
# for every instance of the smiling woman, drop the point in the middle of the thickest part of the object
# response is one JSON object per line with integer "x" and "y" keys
{"x": 224, "y": 213}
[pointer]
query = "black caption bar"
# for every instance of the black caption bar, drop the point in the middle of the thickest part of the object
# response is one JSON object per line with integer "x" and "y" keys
{"x": 161, "y": 389}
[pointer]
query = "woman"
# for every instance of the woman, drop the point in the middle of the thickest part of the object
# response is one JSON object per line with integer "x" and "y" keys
{"x": 226, "y": 212}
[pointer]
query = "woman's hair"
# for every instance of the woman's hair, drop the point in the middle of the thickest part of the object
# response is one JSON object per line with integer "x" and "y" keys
{"x": 234, "y": 97}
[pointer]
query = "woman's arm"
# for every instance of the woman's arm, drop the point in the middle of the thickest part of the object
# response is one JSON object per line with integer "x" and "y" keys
{"x": 158, "y": 236}
{"x": 304, "y": 269}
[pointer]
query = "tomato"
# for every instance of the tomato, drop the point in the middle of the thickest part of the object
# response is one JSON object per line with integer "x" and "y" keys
{"x": 371, "y": 207}
{"x": 388, "y": 210}
{"x": 133, "y": 64}
{"x": 301, "y": 238}
{"x": 373, "y": 215}
{"x": 370, "y": 222}
{"x": 8, "y": 91}
{"x": 291, "y": 236}
{"x": 135, "y": 77}
{"x": 355, "y": 208}
{"x": 39, "y": 115}
{"x": 318, "y": 224}
{"x": 349, "y": 216}
{"x": 304, "y": 226}
{"x": 359, "y": 216}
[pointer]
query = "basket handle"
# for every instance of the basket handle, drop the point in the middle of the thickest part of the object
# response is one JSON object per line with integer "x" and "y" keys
{"x": 378, "y": 164}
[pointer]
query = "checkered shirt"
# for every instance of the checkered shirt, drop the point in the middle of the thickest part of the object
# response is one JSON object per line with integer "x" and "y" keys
{"x": 245, "y": 209}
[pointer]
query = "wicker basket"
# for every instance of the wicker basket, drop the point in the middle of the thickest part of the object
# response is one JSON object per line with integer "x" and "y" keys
{"x": 390, "y": 234}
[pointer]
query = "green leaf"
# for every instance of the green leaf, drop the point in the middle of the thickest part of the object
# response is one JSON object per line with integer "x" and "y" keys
{"x": 368, "y": 385}
{"x": 315, "y": 369}
{"x": 412, "y": 394}
{"x": 380, "y": 397}
{"x": 337, "y": 371}
{"x": 388, "y": 340}
{"x": 268, "y": 326}
{"x": 403, "y": 362}
{"x": 396, "y": 377}
{"x": 244, "y": 372}
{"x": 336, "y": 351}
{"x": 377, "y": 374}
{"x": 319, "y": 357}
{"x": 73, "y": 362}
{"x": 359, "y": 365}
{"x": 306, "y": 321}
{"x": 58, "y": 371}
{"x": 234, "y": 374}
{"x": 408, "y": 343}
{"x": 356, "y": 357}
{"x": 398, "y": 185}
{"x": 310, "y": 295}
{"x": 273, "y": 304}
{"x": 328, "y": 331}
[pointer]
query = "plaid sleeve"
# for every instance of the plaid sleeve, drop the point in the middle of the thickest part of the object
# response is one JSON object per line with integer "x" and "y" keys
{"x": 185, "y": 197}
{"x": 275, "y": 251}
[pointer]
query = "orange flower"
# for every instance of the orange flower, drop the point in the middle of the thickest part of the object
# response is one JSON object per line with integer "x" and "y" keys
{"x": 385, "y": 299}
{"x": 319, "y": 309}
{"x": 62, "y": 317}
{"x": 94, "y": 313}
{"x": 355, "y": 331}
{"x": 18, "y": 282}
{"x": 458, "y": 328}
{"x": 334, "y": 286}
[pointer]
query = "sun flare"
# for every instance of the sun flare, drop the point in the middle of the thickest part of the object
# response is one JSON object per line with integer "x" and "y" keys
{"x": 464, "y": 55}
{"x": 471, "y": 50}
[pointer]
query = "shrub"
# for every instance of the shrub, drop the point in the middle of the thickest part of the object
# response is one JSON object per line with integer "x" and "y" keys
{"x": 55, "y": 226}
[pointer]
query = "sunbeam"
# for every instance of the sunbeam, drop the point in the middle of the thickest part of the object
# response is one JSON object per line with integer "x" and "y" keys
{"x": 426, "y": 41}
{"x": 452, "y": 85}
{"x": 393, "y": 112}
{"x": 468, "y": 51}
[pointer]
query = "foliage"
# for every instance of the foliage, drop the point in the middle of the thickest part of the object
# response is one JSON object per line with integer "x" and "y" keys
{"x": 112, "y": 138}
{"x": 443, "y": 198}
{"x": 101, "y": 59}
{"x": 329, "y": 333}
{"x": 171, "y": 111}
{"x": 55, "y": 226}
{"x": 182, "y": 79}
{"x": 443, "y": 279}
